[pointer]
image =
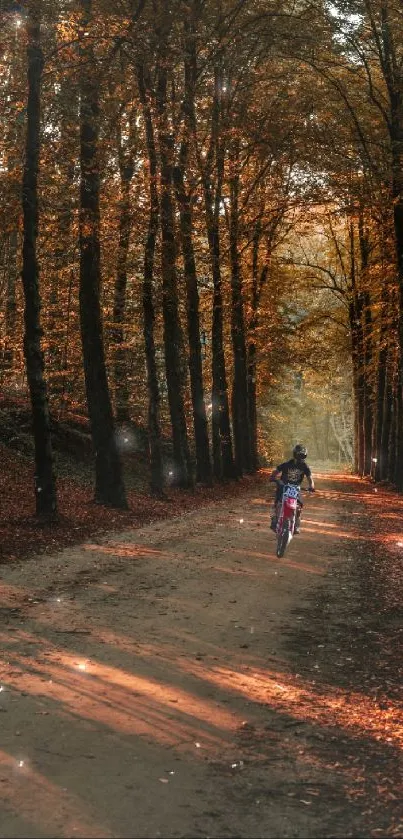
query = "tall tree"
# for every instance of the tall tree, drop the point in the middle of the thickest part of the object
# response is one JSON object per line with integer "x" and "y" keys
{"x": 212, "y": 167}
{"x": 154, "y": 397}
{"x": 109, "y": 486}
{"x": 368, "y": 45}
{"x": 240, "y": 404}
{"x": 185, "y": 200}
{"x": 173, "y": 335}
{"x": 45, "y": 485}
{"x": 126, "y": 159}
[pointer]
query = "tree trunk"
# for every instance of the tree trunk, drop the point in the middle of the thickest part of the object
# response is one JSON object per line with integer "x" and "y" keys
{"x": 173, "y": 337}
{"x": 381, "y": 386}
{"x": 252, "y": 410}
{"x": 203, "y": 463}
{"x": 45, "y": 484}
{"x": 109, "y": 486}
{"x": 154, "y": 398}
{"x": 65, "y": 252}
{"x": 397, "y": 146}
{"x": 391, "y": 67}
{"x": 379, "y": 416}
{"x": 360, "y": 348}
{"x": 356, "y": 415}
{"x": 354, "y": 351}
{"x": 240, "y": 416}
{"x": 384, "y": 426}
{"x": 368, "y": 417}
{"x": 57, "y": 321}
{"x": 366, "y": 326}
{"x": 259, "y": 279}
{"x": 204, "y": 473}
{"x": 223, "y": 460}
{"x": 342, "y": 444}
{"x": 258, "y": 282}
{"x": 11, "y": 300}
{"x": 224, "y": 466}
{"x": 359, "y": 382}
{"x": 393, "y": 438}
{"x": 120, "y": 368}
{"x": 252, "y": 349}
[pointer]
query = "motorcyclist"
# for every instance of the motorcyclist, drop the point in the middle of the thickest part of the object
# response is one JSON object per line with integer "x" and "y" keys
{"x": 291, "y": 472}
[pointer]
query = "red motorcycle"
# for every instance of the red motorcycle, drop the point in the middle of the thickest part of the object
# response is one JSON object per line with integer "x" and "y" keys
{"x": 287, "y": 517}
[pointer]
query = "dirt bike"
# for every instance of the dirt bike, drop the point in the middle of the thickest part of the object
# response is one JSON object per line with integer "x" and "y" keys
{"x": 287, "y": 517}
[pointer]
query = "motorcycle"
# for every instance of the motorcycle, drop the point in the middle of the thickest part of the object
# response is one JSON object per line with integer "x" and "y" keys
{"x": 287, "y": 517}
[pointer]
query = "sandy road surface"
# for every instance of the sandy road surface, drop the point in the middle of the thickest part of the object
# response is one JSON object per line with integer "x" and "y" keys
{"x": 180, "y": 681}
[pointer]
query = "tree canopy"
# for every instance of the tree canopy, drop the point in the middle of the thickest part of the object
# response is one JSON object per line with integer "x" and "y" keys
{"x": 204, "y": 201}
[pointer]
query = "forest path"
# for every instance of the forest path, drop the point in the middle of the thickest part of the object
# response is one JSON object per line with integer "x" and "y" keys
{"x": 180, "y": 681}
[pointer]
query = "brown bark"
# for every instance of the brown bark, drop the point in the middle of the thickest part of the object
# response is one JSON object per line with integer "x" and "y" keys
{"x": 357, "y": 354}
{"x": 11, "y": 300}
{"x": 203, "y": 464}
{"x": 173, "y": 337}
{"x": 240, "y": 414}
{"x": 223, "y": 460}
{"x": 368, "y": 413}
{"x": 120, "y": 367}
{"x": 45, "y": 484}
{"x": 109, "y": 486}
{"x": 184, "y": 200}
{"x": 367, "y": 348}
{"x": 252, "y": 349}
{"x": 391, "y": 67}
{"x": 154, "y": 398}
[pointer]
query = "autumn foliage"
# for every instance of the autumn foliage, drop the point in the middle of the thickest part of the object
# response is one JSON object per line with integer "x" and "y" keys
{"x": 204, "y": 203}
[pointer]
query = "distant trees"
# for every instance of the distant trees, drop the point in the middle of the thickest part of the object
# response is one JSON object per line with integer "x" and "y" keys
{"x": 361, "y": 72}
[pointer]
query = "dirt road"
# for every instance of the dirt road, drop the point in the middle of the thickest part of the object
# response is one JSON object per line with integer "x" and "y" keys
{"x": 180, "y": 681}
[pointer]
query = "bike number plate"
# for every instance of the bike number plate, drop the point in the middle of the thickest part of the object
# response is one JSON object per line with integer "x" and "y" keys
{"x": 291, "y": 492}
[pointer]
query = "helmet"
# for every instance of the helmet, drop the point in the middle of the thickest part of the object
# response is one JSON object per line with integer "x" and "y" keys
{"x": 300, "y": 452}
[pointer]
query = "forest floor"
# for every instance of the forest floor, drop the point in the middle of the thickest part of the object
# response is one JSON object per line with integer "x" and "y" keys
{"x": 177, "y": 680}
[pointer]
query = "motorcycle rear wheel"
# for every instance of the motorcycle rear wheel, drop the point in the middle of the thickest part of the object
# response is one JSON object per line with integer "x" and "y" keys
{"x": 282, "y": 539}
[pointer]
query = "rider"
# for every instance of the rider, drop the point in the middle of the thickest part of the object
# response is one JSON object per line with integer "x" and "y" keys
{"x": 291, "y": 472}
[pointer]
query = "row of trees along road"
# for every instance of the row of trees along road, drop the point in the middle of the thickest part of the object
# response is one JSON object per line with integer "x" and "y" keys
{"x": 171, "y": 173}
{"x": 358, "y": 255}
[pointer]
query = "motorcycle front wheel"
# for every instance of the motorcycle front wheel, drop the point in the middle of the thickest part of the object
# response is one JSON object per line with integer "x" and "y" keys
{"x": 282, "y": 538}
